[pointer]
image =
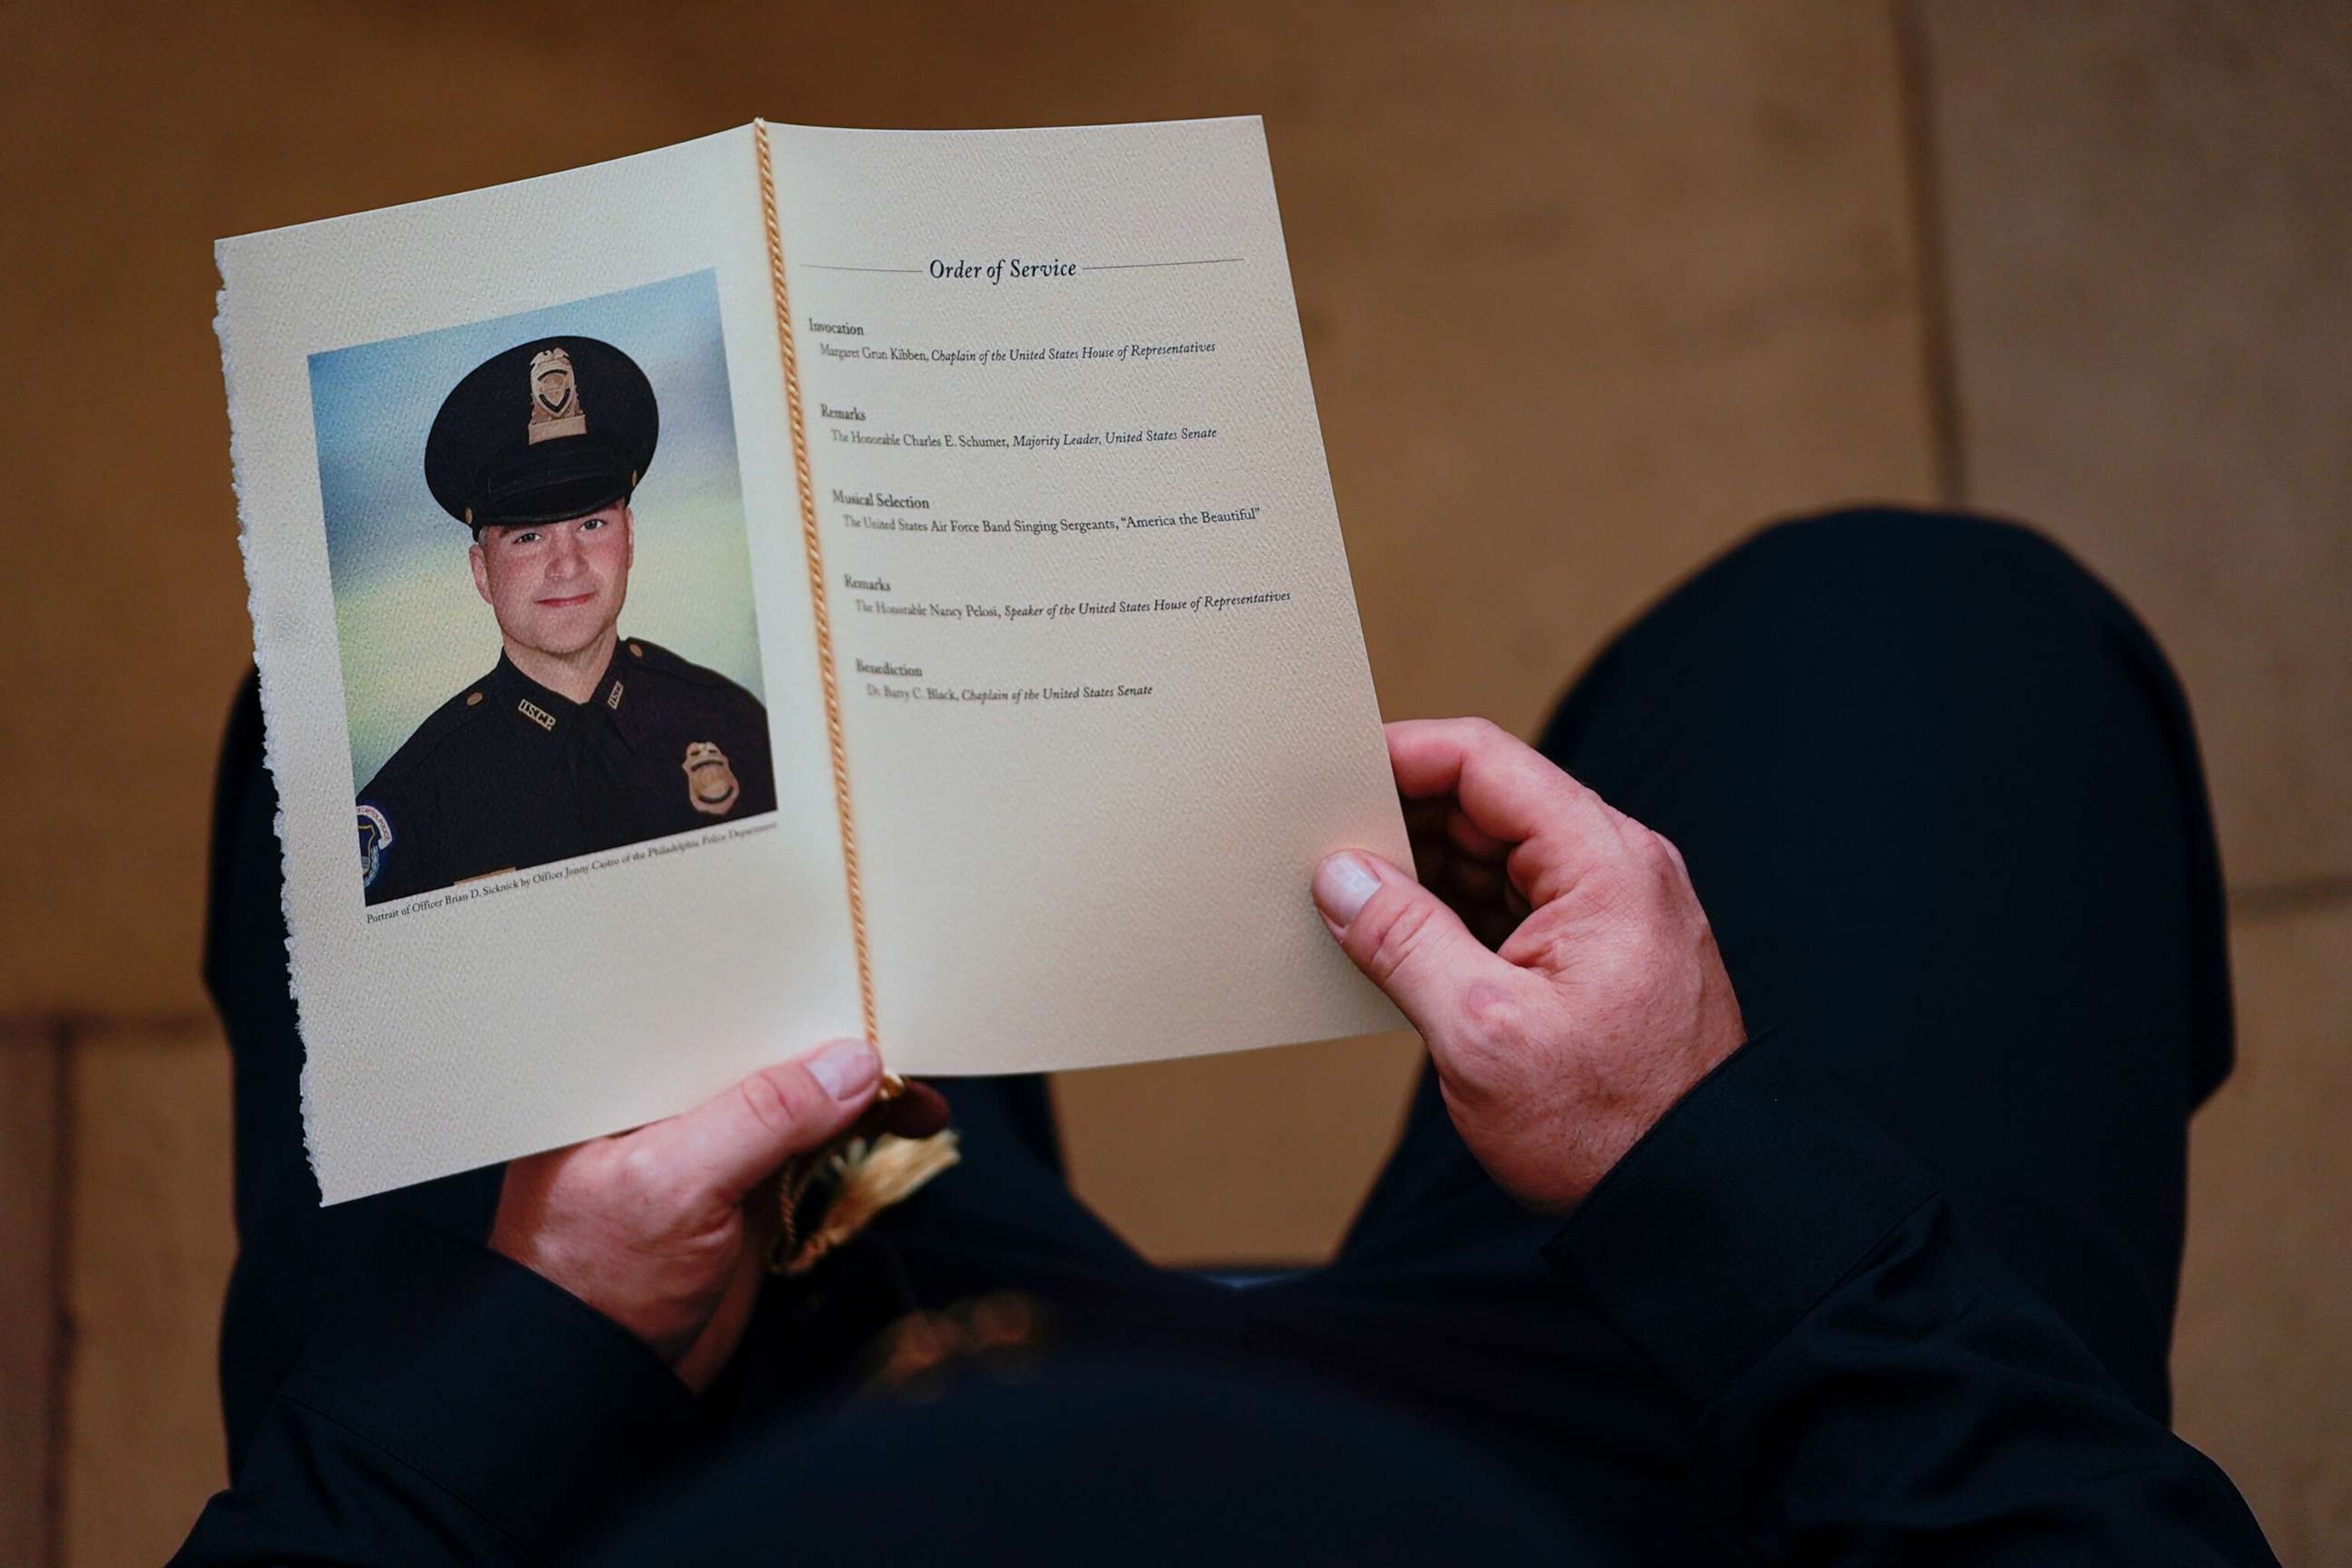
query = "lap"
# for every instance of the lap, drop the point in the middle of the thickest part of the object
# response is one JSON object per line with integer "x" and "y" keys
{"x": 1939, "y": 796}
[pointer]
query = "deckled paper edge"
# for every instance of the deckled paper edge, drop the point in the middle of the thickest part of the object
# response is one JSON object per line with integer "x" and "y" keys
{"x": 247, "y": 551}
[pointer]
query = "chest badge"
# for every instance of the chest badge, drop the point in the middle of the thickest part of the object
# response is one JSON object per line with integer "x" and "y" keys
{"x": 711, "y": 785}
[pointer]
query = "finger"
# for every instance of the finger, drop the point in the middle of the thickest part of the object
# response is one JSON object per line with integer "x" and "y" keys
{"x": 1472, "y": 840}
{"x": 1443, "y": 841}
{"x": 1471, "y": 882}
{"x": 1505, "y": 787}
{"x": 725, "y": 1146}
{"x": 1555, "y": 827}
{"x": 1402, "y": 937}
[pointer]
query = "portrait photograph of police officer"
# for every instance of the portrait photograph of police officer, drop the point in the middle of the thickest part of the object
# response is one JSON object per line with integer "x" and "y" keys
{"x": 522, "y": 692}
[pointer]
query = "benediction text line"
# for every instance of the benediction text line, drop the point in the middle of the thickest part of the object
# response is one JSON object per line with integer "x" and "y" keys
{"x": 1082, "y": 266}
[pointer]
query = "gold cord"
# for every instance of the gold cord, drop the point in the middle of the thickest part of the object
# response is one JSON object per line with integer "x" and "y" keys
{"x": 864, "y": 1178}
{"x": 810, "y": 546}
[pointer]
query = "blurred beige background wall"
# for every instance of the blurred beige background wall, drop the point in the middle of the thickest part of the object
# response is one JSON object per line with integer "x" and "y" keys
{"x": 1588, "y": 290}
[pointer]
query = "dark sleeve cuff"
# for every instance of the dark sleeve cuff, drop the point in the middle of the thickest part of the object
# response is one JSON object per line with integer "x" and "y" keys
{"x": 502, "y": 1389}
{"x": 1735, "y": 1215}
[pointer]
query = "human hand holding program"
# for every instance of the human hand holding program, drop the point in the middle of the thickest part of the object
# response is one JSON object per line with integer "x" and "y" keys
{"x": 651, "y": 1228}
{"x": 1553, "y": 954}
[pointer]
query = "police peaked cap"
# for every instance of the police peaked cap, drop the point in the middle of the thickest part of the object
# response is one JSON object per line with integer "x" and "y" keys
{"x": 546, "y": 430}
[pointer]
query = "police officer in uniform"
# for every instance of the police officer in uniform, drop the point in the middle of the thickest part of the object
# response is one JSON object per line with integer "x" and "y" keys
{"x": 579, "y": 739}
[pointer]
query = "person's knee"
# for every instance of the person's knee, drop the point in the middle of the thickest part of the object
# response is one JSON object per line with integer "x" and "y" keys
{"x": 1890, "y": 596}
{"x": 1886, "y": 557}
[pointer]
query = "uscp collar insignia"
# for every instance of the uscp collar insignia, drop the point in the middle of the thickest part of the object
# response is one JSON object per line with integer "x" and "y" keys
{"x": 375, "y": 838}
{"x": 711, "y": 783}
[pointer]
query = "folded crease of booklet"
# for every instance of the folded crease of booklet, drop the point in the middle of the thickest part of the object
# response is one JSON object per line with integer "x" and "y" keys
{"x": 795, "y": 583}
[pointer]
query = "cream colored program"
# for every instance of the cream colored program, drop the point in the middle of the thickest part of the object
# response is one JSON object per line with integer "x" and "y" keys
{"x": 1100, "y": 684}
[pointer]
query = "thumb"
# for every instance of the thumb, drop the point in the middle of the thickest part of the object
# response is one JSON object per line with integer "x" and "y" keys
{"x": 736, "y": 1139}
{"x": 1403, "y": 938}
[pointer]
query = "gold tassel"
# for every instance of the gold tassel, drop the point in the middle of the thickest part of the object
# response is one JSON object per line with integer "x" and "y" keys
{"x": 866, "y": 1176}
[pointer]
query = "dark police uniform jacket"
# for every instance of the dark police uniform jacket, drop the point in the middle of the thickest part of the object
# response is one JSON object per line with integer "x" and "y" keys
{"x": 507, "y": 774}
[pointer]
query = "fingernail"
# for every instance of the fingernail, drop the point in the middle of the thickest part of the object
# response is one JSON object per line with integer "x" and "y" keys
{"x": 845, "y": 1068}
{"x": 1344, "y": 884}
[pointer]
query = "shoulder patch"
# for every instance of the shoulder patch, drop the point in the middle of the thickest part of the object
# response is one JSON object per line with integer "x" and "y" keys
{"x": 375, "y": 838}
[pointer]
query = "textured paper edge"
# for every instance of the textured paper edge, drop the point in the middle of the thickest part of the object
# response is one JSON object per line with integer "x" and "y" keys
{"x": 261, "y": 664}
{"x": 267, "y": 422}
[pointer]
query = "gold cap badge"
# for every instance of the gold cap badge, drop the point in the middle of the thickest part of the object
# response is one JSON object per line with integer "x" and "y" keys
{"x": 554, "y": 397}
{"x": 711, "y": 783}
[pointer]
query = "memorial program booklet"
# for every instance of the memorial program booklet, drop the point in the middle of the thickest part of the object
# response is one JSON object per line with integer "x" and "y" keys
{"x": 986, "y": 676}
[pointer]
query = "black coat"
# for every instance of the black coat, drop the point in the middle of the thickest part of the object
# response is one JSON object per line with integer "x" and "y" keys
{"x": 1894, "y": 1285}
